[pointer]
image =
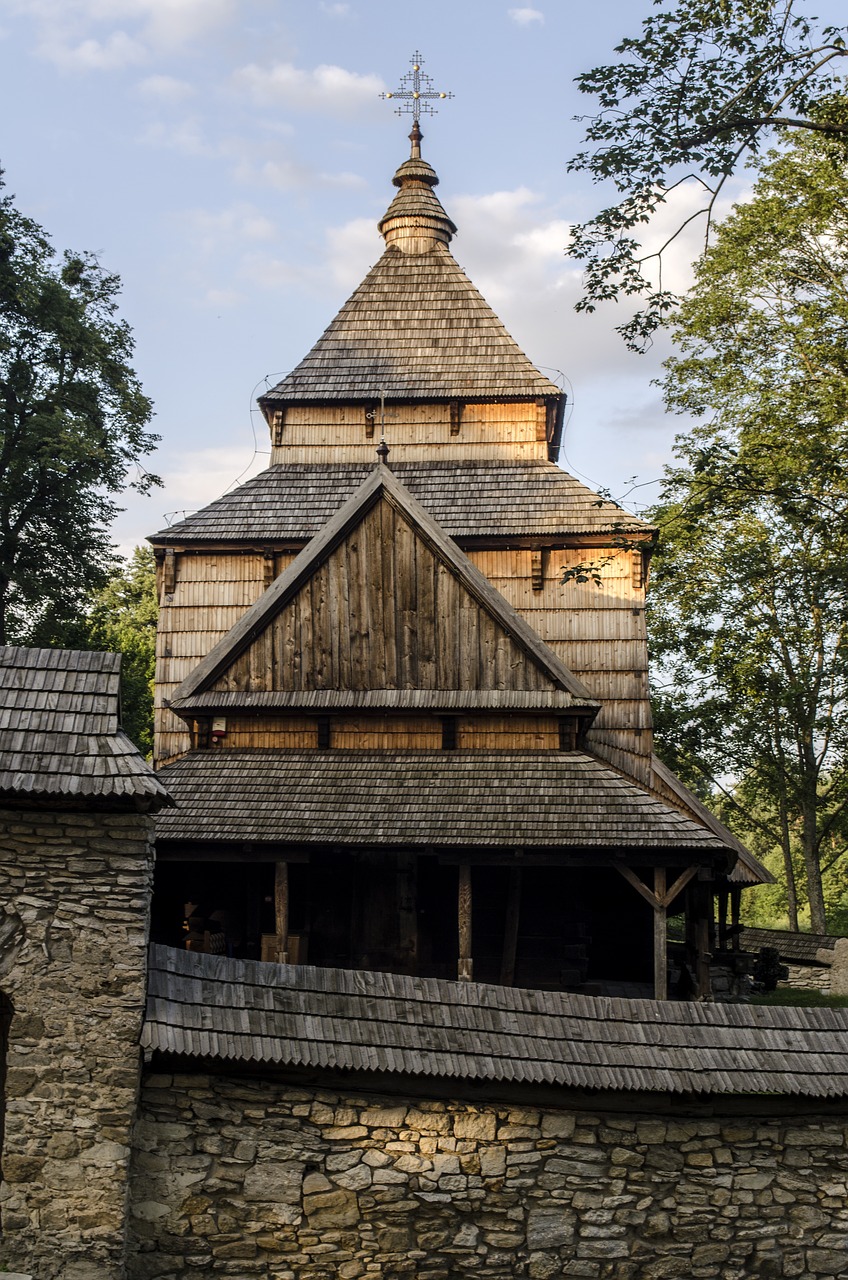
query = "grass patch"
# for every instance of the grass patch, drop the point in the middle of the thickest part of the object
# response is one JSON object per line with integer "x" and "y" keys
{"x": 802, "y": 999}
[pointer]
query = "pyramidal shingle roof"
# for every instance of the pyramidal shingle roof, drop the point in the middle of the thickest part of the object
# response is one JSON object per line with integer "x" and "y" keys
{"x": 416, "y": 328}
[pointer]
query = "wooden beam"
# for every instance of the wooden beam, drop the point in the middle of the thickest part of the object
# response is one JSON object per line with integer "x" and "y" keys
{"x": 660, "y": 937}
{"x": 513, "y": 913}
{"x": 679, "y": 885}
{"x": 639, "y": 885}
{"x": 281, "y": 911}
{"x": 466, "y": 965}
{"x": 703, "y": 901}
{"x": 169, "y": 576}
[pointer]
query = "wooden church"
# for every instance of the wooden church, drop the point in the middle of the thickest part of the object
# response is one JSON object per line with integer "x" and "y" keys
{"x": 403, "y": 730}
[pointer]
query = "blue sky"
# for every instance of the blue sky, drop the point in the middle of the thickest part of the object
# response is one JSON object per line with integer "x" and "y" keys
{"x": 230, "y": 160}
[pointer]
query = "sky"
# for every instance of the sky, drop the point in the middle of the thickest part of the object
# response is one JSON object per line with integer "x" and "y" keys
{"x": 230, "y": 159}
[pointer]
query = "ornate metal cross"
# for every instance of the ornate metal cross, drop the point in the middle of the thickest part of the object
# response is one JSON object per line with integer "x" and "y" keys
{"x": 416, "y": 92}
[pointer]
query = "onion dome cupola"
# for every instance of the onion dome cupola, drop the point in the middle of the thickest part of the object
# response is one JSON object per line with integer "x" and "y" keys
{"x": 415, "y": 220}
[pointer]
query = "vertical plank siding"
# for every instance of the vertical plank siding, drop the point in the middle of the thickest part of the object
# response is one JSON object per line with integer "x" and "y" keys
{"x": 340, "y": 433}
{"x": 598, "y": 632}
{"x": 383, "y": 612}
{"x": 190, "y": 624}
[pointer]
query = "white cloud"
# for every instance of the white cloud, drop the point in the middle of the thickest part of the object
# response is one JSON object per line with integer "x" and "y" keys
{"x": 326, "y": 88}
{"x": 185, "y": 136}
{"x": 116, "y": 51}
{"x": 165, "y": 89}
{"x": 195, "y": 479}
{"x": 335, "y": 10}
{"x": 209, "y": 231}
{"x": 104, "y": 35}
{"x": 525, "y": 16}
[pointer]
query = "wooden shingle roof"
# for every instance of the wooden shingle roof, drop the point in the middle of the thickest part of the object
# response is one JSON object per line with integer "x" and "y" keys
{"x": 59, "y": 730}
{"x": 797, "y": 948}
{"x": 212, "y": 1007}
{"x": 415, "y": 329}
{"x": 496, "y": 799}
{"x": 292, "y": 502}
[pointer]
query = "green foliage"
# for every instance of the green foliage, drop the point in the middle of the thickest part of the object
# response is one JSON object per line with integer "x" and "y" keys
{"x": 801, "y": 999}
{"x": 72, "y": 422}
{"x": 122, "y": 618}
{"x": 749, "y": 612}
{"x": 689, "y": 100}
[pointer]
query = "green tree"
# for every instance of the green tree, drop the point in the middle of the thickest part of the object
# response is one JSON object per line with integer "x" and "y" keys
{"x": 122, "y": 618}
{"x": 689, "y": 100}
{"x": 72, "y": 425}
{"x": 748, "y": 601}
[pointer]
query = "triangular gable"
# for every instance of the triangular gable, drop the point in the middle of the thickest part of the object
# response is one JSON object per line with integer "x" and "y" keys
{"x": 373, "y": 604}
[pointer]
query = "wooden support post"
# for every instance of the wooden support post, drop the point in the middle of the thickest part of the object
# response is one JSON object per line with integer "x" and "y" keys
{"x": 281, "y": 911}
{"x": 169, "y": 577}
{"x": 455, "y": 417}
{"x": 722, "y": 919}
{"x": 466, "y": 965}
{"x": 735, "y": 905}
{"x": 703, "y": 898}
{"x": 659, "y": 900}
{"x": 513, "y": 914}
{"x": 660, "y": 937}
{"x": 537, "y": 570}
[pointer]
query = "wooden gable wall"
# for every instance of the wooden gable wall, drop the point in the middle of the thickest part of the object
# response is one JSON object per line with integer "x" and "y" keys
{"x": 383, "y": 611}
{"x": 599, "y": 633}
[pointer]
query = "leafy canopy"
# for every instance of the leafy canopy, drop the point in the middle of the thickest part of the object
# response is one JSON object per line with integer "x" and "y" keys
{"x": 73, "y": 422}
{"x": 690, "y": 100}
{"x": 749, "y": 608}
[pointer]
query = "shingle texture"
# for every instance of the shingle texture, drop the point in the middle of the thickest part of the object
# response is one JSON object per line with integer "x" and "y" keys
{"x": 415, "y": 329}
{"x": 205, "y": 1006}
{"x": 799, "y": 948}
{"x": 59, "y": 731}
{"x": 489, "y": 798}
{"x": 467, "y": 499}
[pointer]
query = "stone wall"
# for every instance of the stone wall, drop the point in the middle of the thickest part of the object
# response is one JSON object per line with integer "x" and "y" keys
{"x": 807, "y": 976}
{"x": 249, "y": 1178}
{"x": 74, "y": 900}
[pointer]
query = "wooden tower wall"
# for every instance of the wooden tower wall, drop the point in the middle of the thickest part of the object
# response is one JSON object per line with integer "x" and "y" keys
{"x": 417, "y": 432}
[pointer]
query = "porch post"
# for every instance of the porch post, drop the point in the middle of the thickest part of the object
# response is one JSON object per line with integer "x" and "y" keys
{"x": 513, "y": 913}
{"x": 466, "y": 965}
{"x": 281, "y": 911}
{"x": 660, "y": 936}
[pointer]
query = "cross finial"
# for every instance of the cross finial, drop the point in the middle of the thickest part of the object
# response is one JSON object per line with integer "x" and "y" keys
{"x": 416, "y": 93}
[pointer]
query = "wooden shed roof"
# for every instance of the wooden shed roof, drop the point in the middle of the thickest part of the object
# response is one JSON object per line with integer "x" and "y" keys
{"x": 59, "y": 730}
{"x": 291, "y": 502}
{"x": 797, "y": 948}
{"x": 212, "y": 1007}
{"x": 496, "y": 799}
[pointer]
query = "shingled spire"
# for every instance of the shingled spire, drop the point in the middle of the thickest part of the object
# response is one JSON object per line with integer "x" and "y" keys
{"x": 416, "y": 329}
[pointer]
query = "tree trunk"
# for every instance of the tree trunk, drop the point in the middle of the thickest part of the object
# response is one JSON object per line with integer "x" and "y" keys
{"x": 789, "y": 870}
{"x": 818, "y": 924}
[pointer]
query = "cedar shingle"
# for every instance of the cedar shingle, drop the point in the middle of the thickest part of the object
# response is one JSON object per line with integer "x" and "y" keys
{"x": 298, "y": 1015}
{"x": 59, "y": 730}
{"x": 467, "y": 499}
